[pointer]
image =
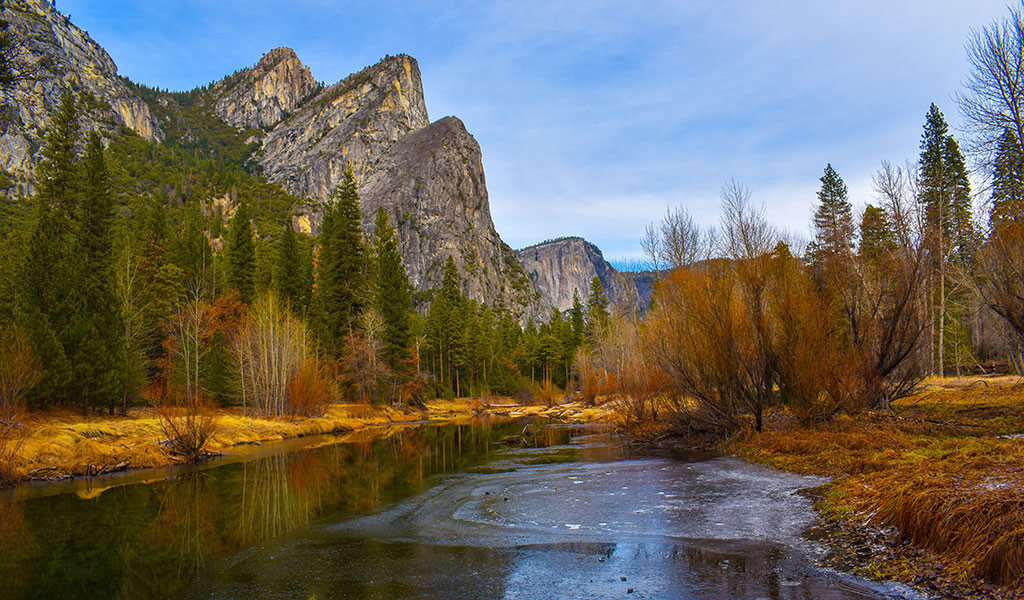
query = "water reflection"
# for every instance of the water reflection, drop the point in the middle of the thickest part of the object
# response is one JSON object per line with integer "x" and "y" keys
{"x": 150, "y": 539}
{"x": 536, "y": 512}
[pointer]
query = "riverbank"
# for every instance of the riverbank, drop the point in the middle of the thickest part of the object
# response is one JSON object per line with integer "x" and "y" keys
{"x": 930, "y": 494}
{"x": 64, "y": 444}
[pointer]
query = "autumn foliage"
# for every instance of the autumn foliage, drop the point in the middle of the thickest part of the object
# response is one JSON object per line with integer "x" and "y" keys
{"x": 20, "y": 369}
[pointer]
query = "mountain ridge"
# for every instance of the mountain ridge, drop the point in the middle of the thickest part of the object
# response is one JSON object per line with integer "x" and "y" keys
{"x": 297, "y": 134}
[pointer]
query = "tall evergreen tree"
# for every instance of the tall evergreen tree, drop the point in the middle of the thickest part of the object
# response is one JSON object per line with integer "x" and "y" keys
{"x": 577, "y": 320}
{"x": 191, "y": 251}
{"x": 341, "y": 265}
{"x": 962, "y": 234}
{"x": 933, "y": 179}
{"x": 241, "y": 252}
{"x": 219, "y": 375}
{"x": 57, "y": 174}
{"x": 944, "y": 193}
{"x": 877, "y": 236}
{"x": 161, "y": 285}
{"x": 445, "y": 325}
{"x": 1007, "y": 180}
{"x": 288, "y": 268}
{"x": 597, "y": 310}
{"x": 45, "y": 283}
{"x": 393, "y": 292}
{"x": 96, "y": 340}
{"x": 833, "y": 223}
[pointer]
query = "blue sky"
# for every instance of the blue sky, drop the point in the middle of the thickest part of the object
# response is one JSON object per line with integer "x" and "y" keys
{"x": 595, "y": 116}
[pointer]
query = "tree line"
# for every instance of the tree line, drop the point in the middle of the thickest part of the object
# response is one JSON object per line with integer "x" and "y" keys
{"x": 118, "y": 298}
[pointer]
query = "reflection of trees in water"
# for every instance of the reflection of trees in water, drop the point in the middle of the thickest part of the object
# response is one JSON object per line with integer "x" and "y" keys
{"x": 279, "y": 494}
{"x": 177, "y": 543}
{"x": 17, "y": 547}
{"x": 150, "y": 540}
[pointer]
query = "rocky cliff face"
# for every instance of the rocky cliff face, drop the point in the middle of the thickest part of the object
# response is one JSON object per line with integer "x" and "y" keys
{"x": 561, "y": 267}
{"x": 429, "y": 177}
{"x": 432, "y": 184}
{"x": 260, "y": 97}
{"x": 353, "y": 121}
{"x": 63, "y": 58}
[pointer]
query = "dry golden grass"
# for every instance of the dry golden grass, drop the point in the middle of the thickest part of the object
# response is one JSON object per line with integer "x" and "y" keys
{"x": 66, "y": 443}
{"x": 947, "y": 470}
{"x": 63, "y": 442}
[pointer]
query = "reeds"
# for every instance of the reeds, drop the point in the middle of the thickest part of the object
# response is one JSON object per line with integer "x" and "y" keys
{"x": 937, "y": 472}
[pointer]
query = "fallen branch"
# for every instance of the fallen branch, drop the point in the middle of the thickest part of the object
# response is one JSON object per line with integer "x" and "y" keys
{"x": 58, "y": 474}
{"x": 90, "y": 471}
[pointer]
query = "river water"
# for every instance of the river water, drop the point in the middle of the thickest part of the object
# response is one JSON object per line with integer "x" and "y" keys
{"x": 433, "y": 511}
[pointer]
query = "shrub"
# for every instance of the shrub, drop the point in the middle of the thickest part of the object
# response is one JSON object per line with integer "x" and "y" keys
{"x": 311, "y": 389}
{"x": 188, "y": 424}
{"x": 20, "y": 370}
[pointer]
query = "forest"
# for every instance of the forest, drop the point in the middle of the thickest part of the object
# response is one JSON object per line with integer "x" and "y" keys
{"x": 171, "y": 275}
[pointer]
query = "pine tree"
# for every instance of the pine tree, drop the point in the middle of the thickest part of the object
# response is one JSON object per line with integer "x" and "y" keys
{"x": 241, "y": 251}
{"x": 288, "y": 276}
{"x": 1007, "y": 181}
{"x": 483, "y": 347}
{"x": 577, "y": 320}
{"x": 218, "y": 373}
{"x": 159, "y": 290}
{"x": 597, "y": 310}
{"x": 933, "y": 179}
{"x": 191, "y": 251}
{"x": 57, "y": 173}
{"x": 46, "y": 279}
{"x": 96, "y": 340}
{"x": 962, "y": 234}
{"x": 461, "y": 327}
{"x": 877, "y": 237}
{"x": 341, "y": 265}
{"x": 944, "y": 193}
{"x": 393, "y": 292}
{"x": 445, "y": 325}
{"x": 833, "y": 224}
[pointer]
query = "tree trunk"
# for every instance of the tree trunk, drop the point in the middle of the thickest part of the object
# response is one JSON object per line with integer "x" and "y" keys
{"x": 942, "y": 316}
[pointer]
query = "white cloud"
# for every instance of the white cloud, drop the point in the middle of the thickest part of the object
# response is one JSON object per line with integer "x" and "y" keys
{"x": 595, "y": 115}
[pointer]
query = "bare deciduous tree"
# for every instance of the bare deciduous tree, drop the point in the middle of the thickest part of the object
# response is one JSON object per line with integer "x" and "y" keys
{"x": 269, "y": 353}
{"x": 186, "y": 418}
{"x": 20, "y": 370}
{"x": 681, "y": 239}
{"x": 993, "y": 100}
{"x": 650, "y": 243}
{"x": 745, "y": 233}
{"x": 896, "y": 186}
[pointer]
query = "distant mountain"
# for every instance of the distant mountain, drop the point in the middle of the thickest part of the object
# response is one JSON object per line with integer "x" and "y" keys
{"x": 566, "y": 265}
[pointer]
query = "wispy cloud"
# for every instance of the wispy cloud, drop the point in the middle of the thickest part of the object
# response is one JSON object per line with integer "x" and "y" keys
{"x": 595, "y": 115}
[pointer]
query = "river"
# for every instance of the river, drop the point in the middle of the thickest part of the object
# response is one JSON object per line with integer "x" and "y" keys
{"x": 431, "y": 511}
